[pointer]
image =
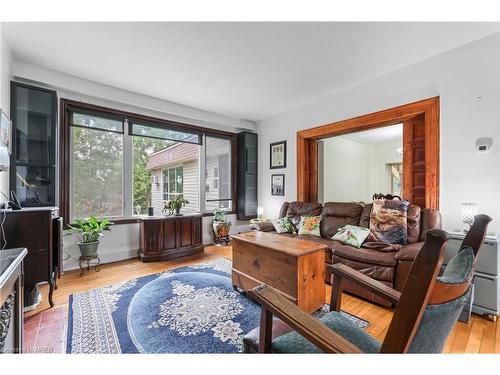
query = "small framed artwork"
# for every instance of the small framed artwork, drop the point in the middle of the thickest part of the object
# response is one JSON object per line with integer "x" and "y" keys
{"x": 278, "y": 155}
{"x": 278, "y": 184}
{"x": 5, "y": 131}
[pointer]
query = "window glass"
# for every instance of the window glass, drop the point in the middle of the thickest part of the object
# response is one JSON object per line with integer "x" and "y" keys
{"x": 90, "y": 121}
{"x": 97, "y": 167}
{"x": 147, "y": 173}
{"x": 163, "y": 133}
{"x": 218, "y": 167}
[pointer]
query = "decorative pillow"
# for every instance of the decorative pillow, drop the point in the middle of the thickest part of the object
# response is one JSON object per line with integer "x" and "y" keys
{"x": 388, "y": 221}
{"x": 352, "y": 235}
{"x": 283, "y": 225}
{"x": 310, "y": 225}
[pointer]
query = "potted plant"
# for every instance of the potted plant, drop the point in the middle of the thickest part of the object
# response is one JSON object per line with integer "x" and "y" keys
{"x": 90, "y": 233}
{"x": 175, "y": 205}
{"x": 221, "y": 227}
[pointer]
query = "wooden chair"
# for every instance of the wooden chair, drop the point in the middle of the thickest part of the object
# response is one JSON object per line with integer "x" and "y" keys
{"x": 425, "y": 315}
{"x": 340, "y": 272}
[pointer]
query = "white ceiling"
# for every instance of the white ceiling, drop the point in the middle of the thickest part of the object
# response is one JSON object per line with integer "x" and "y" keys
{"x": 379, "y": 135}
{"x": 244, "y": 70}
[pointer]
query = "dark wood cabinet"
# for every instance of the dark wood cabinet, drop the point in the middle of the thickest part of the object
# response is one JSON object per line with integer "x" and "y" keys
{"x": 169, "y": 237}
{"x": 247, "y": 176}
{"x": 33, "y": 159}
{"x": 39, "y": 231}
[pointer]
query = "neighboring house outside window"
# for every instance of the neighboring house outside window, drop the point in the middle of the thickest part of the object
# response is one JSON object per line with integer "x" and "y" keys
{"x": 216, "y": 178}
{"x": 177, "y": 168}
{"x": 172, "y": 182}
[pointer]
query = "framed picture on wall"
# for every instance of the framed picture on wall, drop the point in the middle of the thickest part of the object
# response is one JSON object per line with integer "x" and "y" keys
{"x": 278, "y": 155}
{"x": 5, "y": 131}
{"x": 278, "y": 184}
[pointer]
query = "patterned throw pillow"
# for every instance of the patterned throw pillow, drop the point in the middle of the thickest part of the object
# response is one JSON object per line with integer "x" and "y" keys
{"x": 310, "y": 225}
{"x": 352, "y": 235}
{"x": 283, "y": 225}
{"x": 388, "y": 221}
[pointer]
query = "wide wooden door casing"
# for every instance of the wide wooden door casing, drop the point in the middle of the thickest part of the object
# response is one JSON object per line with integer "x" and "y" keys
{"x": 420, "y": 150}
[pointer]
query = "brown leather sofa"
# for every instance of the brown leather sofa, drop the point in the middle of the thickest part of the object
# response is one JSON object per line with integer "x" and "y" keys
{"x": 389, "y": 267}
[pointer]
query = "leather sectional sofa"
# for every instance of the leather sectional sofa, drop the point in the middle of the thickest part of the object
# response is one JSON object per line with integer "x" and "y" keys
{"x": 388, "y": 267}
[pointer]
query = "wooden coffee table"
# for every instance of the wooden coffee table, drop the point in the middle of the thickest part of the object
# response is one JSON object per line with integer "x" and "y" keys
{"x": 295, "y": 268}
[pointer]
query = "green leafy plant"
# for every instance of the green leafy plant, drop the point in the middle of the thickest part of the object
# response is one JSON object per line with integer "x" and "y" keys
{"x": 175, "y": 204}
{"x": 219, "y": 214}
{"x": 90, "y": 230}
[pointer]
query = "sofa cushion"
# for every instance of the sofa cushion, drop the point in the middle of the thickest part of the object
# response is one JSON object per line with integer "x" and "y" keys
{"x": 297, "y": 209}
{"x": 310, "y": 225}
{"x": 338, "y": 214}
{"x": 364, "y": 220}
{"x": 409, "y": 252}
{"x": 363, "y": 255}
{"x": 375, "y": 271}
{"x": 388, "y": 221}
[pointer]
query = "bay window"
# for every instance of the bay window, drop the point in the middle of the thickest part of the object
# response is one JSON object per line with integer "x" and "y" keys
{"x": 121, "y": 163}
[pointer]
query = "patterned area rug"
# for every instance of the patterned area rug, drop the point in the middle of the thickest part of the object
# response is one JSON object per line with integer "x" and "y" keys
{"x": 191, "y": 309}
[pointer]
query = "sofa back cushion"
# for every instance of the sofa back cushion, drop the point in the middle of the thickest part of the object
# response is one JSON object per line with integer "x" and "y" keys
{"x": 335, "y": 215}
{"x": 413, "y": 223}
{"x": 294, "y": 210}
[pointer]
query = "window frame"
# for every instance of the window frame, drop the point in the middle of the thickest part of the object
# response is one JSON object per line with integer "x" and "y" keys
{"x": 67, "y": 106}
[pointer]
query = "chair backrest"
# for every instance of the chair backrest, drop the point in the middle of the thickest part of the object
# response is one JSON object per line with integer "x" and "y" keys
{"x": 476, "y": 234}
{"x": 416, "y": 293}
{"x": 430, "y": 305}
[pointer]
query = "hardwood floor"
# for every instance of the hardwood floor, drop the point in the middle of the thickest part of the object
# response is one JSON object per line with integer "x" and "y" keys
{"x": 479, "y": 336}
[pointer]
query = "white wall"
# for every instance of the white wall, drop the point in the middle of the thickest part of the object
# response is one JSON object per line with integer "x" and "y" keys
{"x": 344, "y": 170}
{"x": 5, "y": 75}
{"x": 378, "y": 156}
{"x": 458, "y": 77}
{"x": 123, "y": 241}
{"x": 354, "y": 170}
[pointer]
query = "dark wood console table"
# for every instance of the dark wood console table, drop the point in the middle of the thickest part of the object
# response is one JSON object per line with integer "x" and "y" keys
{"x": 169, "y": 237}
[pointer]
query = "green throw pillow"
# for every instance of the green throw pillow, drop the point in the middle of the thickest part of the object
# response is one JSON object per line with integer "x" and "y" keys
{"x": 352, "y": 235}
{"x": 310, "y": 225}
{"x": 283, "y": 225}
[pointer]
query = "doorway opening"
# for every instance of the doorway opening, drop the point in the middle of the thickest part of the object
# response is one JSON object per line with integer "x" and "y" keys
{"x": 417, "y": 177}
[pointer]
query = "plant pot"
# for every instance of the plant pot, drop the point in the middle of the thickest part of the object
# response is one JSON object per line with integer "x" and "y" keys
{"x": 88, "y": 249}
{"x": 221, "y": 232}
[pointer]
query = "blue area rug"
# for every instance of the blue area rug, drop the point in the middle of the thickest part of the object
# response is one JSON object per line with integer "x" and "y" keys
{"x": 191, "y": 309}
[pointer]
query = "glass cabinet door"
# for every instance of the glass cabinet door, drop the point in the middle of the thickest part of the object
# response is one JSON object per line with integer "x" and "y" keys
{"x": 33, "y": 155}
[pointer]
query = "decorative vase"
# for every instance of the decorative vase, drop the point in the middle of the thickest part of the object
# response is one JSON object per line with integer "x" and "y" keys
{"x": 178, "y": 211}
{"x": 88, "y": 249}
{"x": 221, "y": 232}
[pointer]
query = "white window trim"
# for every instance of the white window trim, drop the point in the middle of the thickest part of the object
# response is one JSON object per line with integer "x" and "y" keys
{"x": 163, "y": 182}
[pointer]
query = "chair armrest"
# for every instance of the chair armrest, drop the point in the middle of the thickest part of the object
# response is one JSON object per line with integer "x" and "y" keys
{"x": 366, "y": 282}
{"x": 306, "y": 325}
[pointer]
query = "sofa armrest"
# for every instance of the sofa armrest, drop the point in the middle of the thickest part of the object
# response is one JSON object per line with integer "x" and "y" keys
{"x": 409, "y": 252}
{"x": 264, "y": 226}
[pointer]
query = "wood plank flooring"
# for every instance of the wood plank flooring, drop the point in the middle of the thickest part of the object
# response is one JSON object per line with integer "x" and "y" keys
{"x": 479, "y": 336}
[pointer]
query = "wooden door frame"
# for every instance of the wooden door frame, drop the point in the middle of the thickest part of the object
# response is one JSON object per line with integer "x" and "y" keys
{"x": 307, "y": 155}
